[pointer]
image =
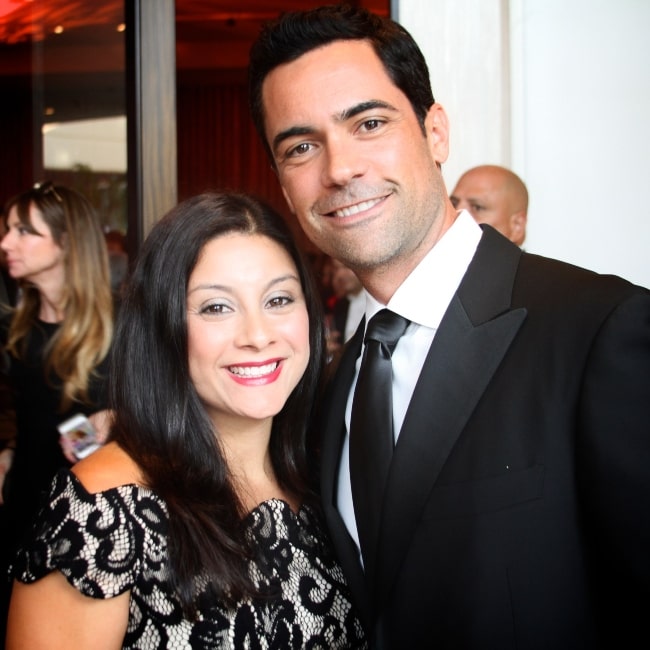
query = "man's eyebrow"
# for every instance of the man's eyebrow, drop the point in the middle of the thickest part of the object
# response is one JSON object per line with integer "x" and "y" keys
{"x": 290, "y": 133}
{"x": 355, "y": 110}
{"x": 348, "y": 113}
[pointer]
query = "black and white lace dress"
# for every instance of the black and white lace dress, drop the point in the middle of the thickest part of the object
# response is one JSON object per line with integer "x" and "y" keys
{"x": 113, "y": 541}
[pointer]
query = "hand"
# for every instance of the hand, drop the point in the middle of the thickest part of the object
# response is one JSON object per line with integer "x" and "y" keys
{"x": 67, "y": 449}
{"x": 101, "y": 421}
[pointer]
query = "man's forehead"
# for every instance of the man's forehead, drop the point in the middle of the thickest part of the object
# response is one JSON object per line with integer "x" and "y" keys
{"x": 479, "y": 183}
{"x": 332, "y": 66}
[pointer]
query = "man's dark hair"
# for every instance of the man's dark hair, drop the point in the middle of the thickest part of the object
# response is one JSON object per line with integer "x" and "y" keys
{"x": 296, "y": 33}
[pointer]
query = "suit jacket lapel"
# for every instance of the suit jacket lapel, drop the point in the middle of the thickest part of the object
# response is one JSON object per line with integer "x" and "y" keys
{"x": 333, "y": 426}
{"x": 473, "y": 337}
{"x": 331, "y": 447}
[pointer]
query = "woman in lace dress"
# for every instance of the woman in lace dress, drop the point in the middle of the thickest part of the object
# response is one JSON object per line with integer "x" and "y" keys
{"x": 196, "y": 526}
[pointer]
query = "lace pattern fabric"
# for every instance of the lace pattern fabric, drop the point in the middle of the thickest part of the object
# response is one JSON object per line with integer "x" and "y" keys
{"x": 113, "y": 541}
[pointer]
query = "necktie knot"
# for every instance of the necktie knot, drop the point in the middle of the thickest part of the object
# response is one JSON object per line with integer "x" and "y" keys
{"x": 386, "y": 327}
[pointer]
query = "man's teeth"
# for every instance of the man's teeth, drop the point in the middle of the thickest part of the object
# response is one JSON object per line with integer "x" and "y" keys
{"x": 354, "y": 209}
{"x": 253, "y": 371}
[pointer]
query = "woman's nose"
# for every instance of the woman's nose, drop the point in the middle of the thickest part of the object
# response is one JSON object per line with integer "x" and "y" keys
{"x": 255, "y": 331}
{"x": 5, "y": 242}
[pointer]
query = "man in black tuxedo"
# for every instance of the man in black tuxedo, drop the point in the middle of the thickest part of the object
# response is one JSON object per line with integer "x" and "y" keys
{"x": 516, "y": 509}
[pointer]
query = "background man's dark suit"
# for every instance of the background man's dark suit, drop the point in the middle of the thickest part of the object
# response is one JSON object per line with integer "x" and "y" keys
{"x": 517, "y": 512}
{"x": 340, "y": 314}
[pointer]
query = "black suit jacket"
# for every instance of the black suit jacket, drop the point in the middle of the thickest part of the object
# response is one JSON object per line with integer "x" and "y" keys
{"x": 517, "y": 510}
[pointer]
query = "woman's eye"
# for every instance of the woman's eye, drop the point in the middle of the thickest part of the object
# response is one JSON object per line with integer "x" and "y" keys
{"x": 280, "y": 301}
{"x": 214, "y": 309}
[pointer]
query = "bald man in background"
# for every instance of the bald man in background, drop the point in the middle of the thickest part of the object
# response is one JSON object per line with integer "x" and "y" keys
{"x": 496, "y": 196}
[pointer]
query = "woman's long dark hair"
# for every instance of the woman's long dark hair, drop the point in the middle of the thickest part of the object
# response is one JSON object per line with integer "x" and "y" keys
{"x": 159, "y": 418}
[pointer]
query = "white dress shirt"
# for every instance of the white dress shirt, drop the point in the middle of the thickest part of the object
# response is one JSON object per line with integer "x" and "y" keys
{"x": 423, "y": 299}
{"x": 356, "y": 310}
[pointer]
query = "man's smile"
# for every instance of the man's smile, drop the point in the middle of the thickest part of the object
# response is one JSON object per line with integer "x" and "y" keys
{"x": 355, "y": 208}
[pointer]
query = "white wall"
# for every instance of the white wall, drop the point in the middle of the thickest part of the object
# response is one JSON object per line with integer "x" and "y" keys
{"x": 98, "y": 143}
{"x": 559, "y": 91}
{"x": 466, "y": 45}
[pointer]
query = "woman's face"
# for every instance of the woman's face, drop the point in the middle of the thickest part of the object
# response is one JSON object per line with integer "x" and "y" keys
{"x": 248, "y": 330}
{"x": 31, "y": 252}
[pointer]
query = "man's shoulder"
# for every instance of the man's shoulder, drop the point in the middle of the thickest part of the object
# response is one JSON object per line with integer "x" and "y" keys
{"x": 549, "y": 281}
{"x": 538, "y": 266}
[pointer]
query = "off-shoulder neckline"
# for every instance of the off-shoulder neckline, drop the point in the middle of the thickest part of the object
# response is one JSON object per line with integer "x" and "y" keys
{"x": 117, "y": 488}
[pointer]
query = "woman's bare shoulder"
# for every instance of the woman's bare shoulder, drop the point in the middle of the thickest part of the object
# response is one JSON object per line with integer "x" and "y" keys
{"x": 108, "y": 467}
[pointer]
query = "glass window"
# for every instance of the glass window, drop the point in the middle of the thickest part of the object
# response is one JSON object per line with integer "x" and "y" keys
{"x": 63, "y": 110}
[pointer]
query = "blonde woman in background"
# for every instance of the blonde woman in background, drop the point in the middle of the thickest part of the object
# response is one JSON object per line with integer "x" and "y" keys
{"x": 55, "y": 341}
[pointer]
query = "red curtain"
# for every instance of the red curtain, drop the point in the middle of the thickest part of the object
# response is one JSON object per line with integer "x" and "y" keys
{"x": 218, "y": 147}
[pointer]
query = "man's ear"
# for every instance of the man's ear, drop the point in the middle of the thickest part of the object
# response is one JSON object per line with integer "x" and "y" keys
{"x": 436, "y": 125}
{"x": 518, "y": 227}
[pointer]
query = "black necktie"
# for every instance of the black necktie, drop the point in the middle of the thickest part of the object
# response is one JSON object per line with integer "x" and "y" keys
{"x": 371, "y": 429}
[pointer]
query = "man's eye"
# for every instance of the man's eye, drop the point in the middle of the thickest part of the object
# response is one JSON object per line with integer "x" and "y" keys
{"x": 299, "y": 150}
{"x": 371, "y": 125}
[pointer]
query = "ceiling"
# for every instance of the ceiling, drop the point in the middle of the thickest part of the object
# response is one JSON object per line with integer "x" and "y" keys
{"x": 69, "y": 55}
{"x": 83, "y": 34}
{"x": 72, "y": 52}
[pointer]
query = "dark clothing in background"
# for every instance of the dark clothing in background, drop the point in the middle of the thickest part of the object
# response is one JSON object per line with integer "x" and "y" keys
{"x": 38, "y": 454}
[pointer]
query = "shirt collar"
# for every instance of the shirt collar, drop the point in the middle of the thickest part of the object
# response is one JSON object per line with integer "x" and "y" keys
{"x": 425, "y": 294}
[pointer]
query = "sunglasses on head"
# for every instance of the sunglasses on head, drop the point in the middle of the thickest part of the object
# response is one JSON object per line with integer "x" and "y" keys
{"x": 47, "y": 187}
